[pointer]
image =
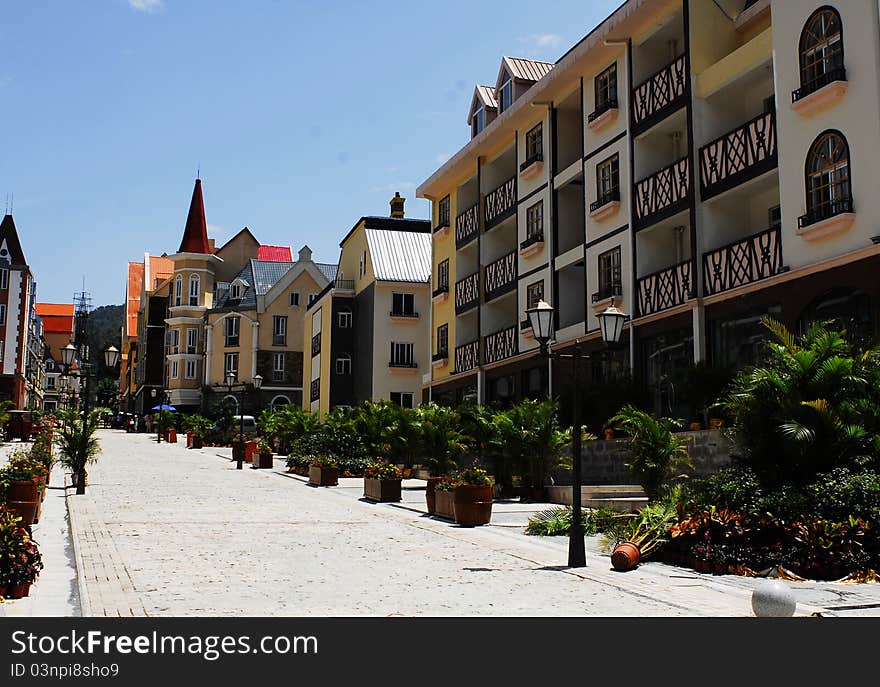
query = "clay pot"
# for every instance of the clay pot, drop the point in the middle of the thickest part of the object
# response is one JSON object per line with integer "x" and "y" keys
{"x": 625, "y": 556}
{"x": 609, "y": 434}
{"x": 25, "y": 490}
{"x": 26, "y": 510}
{"x": 17, "y": 591}
{"x": 473, "y": 504}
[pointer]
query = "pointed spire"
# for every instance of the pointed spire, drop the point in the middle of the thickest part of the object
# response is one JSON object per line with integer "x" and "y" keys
{"x": 195, "y": 235}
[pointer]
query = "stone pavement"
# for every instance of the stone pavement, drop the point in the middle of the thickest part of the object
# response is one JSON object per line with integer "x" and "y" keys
{"x": 197, "y": 537}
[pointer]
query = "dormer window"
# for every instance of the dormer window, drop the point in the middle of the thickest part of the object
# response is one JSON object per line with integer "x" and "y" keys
{"x": 479, "y": 121}
{"x": 235, "y": 292}
{"x": 506, "y": 93}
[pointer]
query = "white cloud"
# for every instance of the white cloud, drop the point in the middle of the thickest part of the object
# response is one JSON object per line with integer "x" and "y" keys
{"x": 145, "y": 5}
{"x": 440, "y": 158}
{"x": 543, "y": 40}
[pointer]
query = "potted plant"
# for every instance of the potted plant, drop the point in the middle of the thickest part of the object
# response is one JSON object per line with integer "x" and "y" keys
{"x": 635, "y": 537}
{"x": 323, "y": 471}
{"x": 263, "y": 457}
{"x": 444, "y": 498}
{"x": 298, "y": 464}
{"x": 199, "y": 426}
{"x": 382, "y": 481}
{"x": 20, "y": 559}
{"x": 78, "y": 446}
{"x": 442, "y": 441}
{"x": 473, "y": 497}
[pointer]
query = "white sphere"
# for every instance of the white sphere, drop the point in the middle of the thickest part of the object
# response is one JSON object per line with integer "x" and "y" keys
{"x": 772, "y": 599}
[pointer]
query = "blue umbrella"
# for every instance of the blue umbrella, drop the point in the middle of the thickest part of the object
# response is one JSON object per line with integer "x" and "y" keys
{"x": 165, "y": 406}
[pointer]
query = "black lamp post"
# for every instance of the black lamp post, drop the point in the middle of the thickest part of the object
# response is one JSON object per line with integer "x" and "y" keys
{"x": 231, "y": 378}
{"x": 611, "y": 324}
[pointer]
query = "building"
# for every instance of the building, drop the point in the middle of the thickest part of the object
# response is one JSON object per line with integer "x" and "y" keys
{"x": 57, "y": 319}
{"x": 256, "y": 326}
{"x": 367, "y": 332}
{"x": 145, "y": 368}
{"x": 21, "y": 346}
{"x": 704, "y": 164}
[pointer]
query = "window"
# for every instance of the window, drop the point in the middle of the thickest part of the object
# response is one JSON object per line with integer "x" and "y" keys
{"x": 402, "y": 354}
{"x": 606, "y": 90}
{"x": 535, "y": 144}
{"x": 535, "y": 220}
{"x": 192, "y": 340}
{"x": 479, "y": 121}
{"x": 50, "y": 365}
{"x": 50, "y": 383}
{"x": 443, "y": 340}
{"x": 235, "y": 291}
{"x": 443, "y": 212}
{"x": 175, "y": 368}
{"x": 278, "y": 367}
{"x": 403, "y": 304}
{"x": 174, "y": 344}
{"x": 312, "y": 298}
{"x": 343, "y": 364}
{"x": 821, "y": 51}
{"x": 279, "y": 330}
{"x": 345, "y": 319}
{"x": 402, "y": 398}
{"x": 232, "y": 328}
{"x": 2, "y": 314}
{"x": 230, "y": 364}
{"x": 506, "y": 93}
{"x": 293, "y": 297}
{"x": 443, "y": 275}
{"x": 191, "y": 369}
{"x": 194, "y": 289}
{"x": 178, "y": 289}
{"x": 607, "y": 181}
{"x": 4, "y": 278}
{"x": 828, "y": 179}
{"x": 609, "y": 273}
{"x": 534, "y": 294}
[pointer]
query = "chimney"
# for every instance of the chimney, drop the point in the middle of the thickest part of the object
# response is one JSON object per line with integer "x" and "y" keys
{"x": 304, "y": 255}
{"x": 397, "y": 205}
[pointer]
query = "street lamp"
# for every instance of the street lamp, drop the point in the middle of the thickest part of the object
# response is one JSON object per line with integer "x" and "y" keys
{"x": 231, "y": 379}
{"x": 611, "y": 325}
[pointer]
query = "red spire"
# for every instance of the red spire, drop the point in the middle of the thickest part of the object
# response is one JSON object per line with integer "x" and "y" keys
{"x": 195, "y": 235}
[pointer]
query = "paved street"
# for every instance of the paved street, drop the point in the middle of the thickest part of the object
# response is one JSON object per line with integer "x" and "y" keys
{"x": 170, "y": 531}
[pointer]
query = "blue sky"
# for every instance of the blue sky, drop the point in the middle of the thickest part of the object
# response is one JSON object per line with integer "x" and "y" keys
{"x": 303, "y": 116}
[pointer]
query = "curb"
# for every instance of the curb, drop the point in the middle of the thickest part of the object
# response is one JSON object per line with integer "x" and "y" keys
{"x": 85, "y": 604}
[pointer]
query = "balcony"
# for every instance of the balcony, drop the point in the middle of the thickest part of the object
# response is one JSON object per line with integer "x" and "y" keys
{"x": 501, "y": 203}
{"x": 501, "y": 345}
{"x": 743, "y": 262}
{"x": 532, "y": 166}
{"x": 665, "y": 289}
{"x": 829, "y": 217}
{"x": 603, "y": 114}
{"x": 344, "y": 285}
{"x": 440, "y": 294}
{"x": 661, "y": 94}
{"x": 316, "y": 344}
{"x": 467, "y": 356}
{"x": 525, "y": 328}
{"x": 467, "y": 293}
{"x": 533, "y": 244}
{"x": 806, "y": 98}
{"x": 467, "y": 226}
{"x": 405, "y": 315}
{"x": 608, "y": 291}
{"x": 662, "y": 194}
{"x": 440, "y": 359}
{"x": 500, "y": 276}
{"x": 606, "y": 205}
{"x": 738, "y": 156}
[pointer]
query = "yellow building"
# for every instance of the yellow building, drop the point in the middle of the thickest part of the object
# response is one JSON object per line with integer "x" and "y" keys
{"x": 367, "y": 334}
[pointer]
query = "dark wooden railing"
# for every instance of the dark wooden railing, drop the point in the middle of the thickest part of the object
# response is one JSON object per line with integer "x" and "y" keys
{"x": 316, "y": 344}
{"x": 737, "y": 156}
{"x": 832, "y": 75}
{"x": 501, "y": 203}
{"x": 467, "y": 293}
{"x": 467, "y": 356}
{"x": 663, "y": 193}
{"x": 501, "y": 345}
{"x": 315, "y": 390}
{"x": 603, "y": 200}
{"x": 659, "y": 94}
{"x": 467, "y": 226}
{"x": 610, "y": 104}
{"x": 500, "y": 276}
{"x": 665, "y": 289}
{"x": 826, "y": 210}
{"x": 532, "y": 240}
{"x": 742, "y": 262}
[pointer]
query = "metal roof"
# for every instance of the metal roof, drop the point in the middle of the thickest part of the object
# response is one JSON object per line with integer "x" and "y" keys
{"x": 400, "y": 255}
{"x": 328, "y": 270}
{"x": 487, "y": 95}
{"x": 275, "y": 253}
{"x": 262, "y": 274}
{"x": 526, "y": 70}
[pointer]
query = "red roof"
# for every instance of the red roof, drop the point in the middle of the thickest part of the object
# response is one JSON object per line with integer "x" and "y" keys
{"x": 133, "y": 296}
{"x": 275, "y": 254}
{"x": 57, "y": 317}
{"x": 195, "y": 234}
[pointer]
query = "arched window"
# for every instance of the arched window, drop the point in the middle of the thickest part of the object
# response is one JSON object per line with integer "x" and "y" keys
{"x": 194, "y": 289}
{"x": 178, "y": 289}
{"x": 279, "y": 402}
{"x": 829, "y": 191}
{"x": 821, "y": 51}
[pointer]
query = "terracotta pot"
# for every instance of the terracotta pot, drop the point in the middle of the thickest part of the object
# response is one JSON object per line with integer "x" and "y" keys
{"x": 625, "y": 556}
{"x": 430, "y": 497}
{"x": 250, "y": 450}
{"x": 473, "y": 504}
{"x": 696, "y": 426}
{"x": 715, "y": 423}
{"x": 17, "y": 591}
{"x": 26, "y": 510}
{"x": 171, "y": 438}
{"x": 609, "y": 434}
{"x": 189, "y": 439}
{"x": 25, "y": 490}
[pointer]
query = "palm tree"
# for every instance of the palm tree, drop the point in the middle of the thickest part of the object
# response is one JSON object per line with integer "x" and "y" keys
{"x": 77, "y": 444}
{"x": 442, "y": 439}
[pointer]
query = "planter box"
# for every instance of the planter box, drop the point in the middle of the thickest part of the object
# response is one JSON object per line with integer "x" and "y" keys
{"x": 250, "y": 450}
{"x": 263, "y": 460}
{"x": 323, "y": 477}
{"x": 189, "y": 439}
{"x": 171, "y": 436}
{"x": 382, "y": 489}
{"x": 198, "y": 442}
{"x": 430, "y": 494}
{"x": 444, "y": 504}
{"x": 473, "y": 504}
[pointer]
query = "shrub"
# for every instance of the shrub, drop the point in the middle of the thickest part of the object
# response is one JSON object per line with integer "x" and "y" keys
{"x": 382, "y": 470}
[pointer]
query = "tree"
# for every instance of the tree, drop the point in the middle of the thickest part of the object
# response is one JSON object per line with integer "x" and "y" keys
{"x": 77, "y": 444}
{"x": 442, "y": 440}
{"x": 388, "y": 430}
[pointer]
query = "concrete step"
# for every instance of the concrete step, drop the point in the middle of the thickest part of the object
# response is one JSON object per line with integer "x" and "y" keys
{"x": 621, "y": 505}
{"x": 607, "y": 491}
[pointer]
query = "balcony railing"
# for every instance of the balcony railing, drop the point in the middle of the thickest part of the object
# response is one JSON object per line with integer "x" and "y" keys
{"x": 467, "y": 226}
{"x": 740, "y": 155}
{"x": 665, "y": 289}
{"x": 404, "y": 313}
{"x": 501, "y": 345}
{"x": 610, "y": 197}
{"x": 344, "y": 285}
{"x": 440, "y": 355}
{"x": 467, "y": 356}
{"x": 743, "y": 262}
{"x": 315, "y": 390}
{"x": 501, "y": 203}
{"x": 532, "y": 240}
{"x": 663, "y": 194}
{"x": 500, "y": 276}
{"x": 824, "y": 211}
{"x": 614, "y": 288}
{"x": 610, "y": 104}
{"x": 316, "y": 344}
{"x": 537, "y": 157}
{"x": 467, "y": 293}
{"x": 836, "y": 74}
{"x": 402, "y": 365}
{"x": 657, "y": 96}
{"x": 440, "y": 290}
